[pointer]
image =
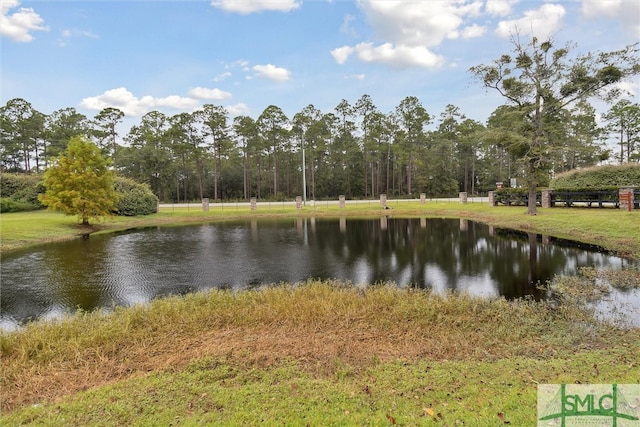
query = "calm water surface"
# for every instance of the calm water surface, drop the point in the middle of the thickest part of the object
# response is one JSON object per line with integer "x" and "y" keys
{"x": 137, "y": 266}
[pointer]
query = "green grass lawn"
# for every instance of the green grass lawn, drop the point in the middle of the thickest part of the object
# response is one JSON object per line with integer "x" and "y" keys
{"x": 319, "y": 354}
{"x": 617, "y": 230}
{"x": 215, "y": 392}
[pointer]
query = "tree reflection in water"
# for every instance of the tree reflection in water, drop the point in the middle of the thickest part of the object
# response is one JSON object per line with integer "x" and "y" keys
{"x": 431, "y": 253}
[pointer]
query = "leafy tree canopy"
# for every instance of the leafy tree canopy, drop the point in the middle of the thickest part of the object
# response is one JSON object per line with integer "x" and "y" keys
{"x": 80, "y": 182}
{"x": 540, "y": 81}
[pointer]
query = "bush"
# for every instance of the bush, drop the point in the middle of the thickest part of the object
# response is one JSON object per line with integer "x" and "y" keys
{"x": 599, "y": 177}
{"x": 135, "y": 198}
{"x": 8, "y": 204}
{"x": 20, "y": 192}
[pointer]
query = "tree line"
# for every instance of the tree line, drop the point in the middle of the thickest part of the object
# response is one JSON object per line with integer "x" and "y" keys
{"x": 356, "y": 150}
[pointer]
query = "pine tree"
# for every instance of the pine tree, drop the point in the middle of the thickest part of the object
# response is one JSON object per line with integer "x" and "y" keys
{"x": 540, "y": 81}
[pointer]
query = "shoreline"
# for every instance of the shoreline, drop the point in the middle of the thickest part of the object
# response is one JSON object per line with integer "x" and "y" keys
{"x": 613, "y": 230}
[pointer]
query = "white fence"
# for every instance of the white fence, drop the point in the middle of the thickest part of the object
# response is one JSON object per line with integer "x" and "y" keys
{"x": 374, "y": 203}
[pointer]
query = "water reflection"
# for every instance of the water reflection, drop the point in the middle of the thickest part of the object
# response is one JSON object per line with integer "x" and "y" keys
{"x": 135, "y": 267}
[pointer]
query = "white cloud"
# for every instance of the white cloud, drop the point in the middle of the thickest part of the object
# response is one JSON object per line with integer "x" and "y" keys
{"x": 119, "y": 98}
{"x": 410, "y": 29}
{"x": 19, "y": 25}
{"x": 500, "y": 7}
{"x": 240, "y": 109}
{"x": 271, "y": 72}
{"x": 543, "y": 22}
{"x": 251, "y": 6}
{"x": 67, "y": 35}
{"x": 625, "y": 10}
{"x": 424, "y": 23}
{"x": 473, "y": 31}
{"x": 130, "y": 105}
{"x": 222, "y": 76}
{"x": 398, "y": 56}
{"x": 341, "y": 54}
{"x": 205, "y": 93}
{"x": 172, "y": 101}
{"x": 609, "y": 8}
{"x": 346, "y": 27}
{"x": 88, "y": 34}
{"x": 469, "y": 32}
{"x": 628, "y": 88}
{"x": 355, "y": 76}
{"x": 243, "y": 63}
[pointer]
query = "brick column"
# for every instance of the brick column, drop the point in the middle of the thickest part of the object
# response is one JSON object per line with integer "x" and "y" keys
{"x": 547, "y": 196}
{"x": 492, "y": 198}
{"x": 625, "y": 198}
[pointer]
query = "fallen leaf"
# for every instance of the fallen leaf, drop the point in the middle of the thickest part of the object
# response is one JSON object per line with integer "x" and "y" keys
{"x": 391, "y": 419}
{"x": 502, "y": 418}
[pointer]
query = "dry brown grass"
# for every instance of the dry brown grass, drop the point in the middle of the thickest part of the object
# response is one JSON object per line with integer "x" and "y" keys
{"x": 319, "y": 325}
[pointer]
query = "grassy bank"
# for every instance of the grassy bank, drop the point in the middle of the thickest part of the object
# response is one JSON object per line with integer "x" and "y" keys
{"x": 614, "y": 229}
{"x": 318, "y": 354}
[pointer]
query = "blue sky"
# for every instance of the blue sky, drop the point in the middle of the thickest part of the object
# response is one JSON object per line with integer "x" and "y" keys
{"x": 174, "y": 56}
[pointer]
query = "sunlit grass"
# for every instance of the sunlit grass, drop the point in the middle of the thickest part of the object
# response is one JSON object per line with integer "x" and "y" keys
{"x": 25, "y": 228}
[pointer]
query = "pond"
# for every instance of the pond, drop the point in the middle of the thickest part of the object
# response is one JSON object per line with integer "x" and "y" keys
{"x": 136, "y": 266}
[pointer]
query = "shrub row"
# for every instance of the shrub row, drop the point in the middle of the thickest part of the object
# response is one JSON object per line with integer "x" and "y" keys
{"x": 598, "y": 177}
{"x": 19, "y": 192}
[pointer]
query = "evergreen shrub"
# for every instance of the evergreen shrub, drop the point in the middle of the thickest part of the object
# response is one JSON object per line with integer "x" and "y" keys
{"x": 20, "y": 191}
{"x": 7, "y": 204}
{"x": 135, "y": 198}
{"x": 608, "y": 177}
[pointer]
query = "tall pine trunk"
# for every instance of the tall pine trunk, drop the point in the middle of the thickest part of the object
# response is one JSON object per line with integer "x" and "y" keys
{"x": 533, "y": 189}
